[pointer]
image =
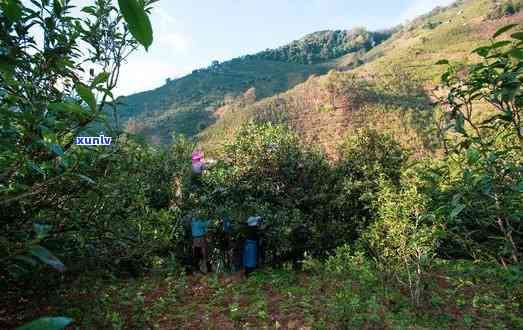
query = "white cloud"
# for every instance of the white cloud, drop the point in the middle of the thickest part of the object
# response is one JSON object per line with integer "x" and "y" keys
{"x": 142, "y": 73}
{"x": 168, "y": 32}
{"x": 420, "y": 7}
{"x": 176, "y": 42}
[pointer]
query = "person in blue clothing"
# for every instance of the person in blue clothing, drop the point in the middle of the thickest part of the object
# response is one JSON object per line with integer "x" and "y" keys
{"x": 200, "y": 247}
{"x": 251, "y": 246}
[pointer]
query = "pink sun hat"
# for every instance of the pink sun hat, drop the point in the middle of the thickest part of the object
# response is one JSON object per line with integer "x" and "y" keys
{"x": 197, "y": 156}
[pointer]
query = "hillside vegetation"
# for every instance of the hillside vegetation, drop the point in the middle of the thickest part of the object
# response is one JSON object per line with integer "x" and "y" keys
{"x": 325, "y": 45}
{"x": 382, "y": 197}
{"x": 392, "y": 92}
{"x": 187, "y": 105}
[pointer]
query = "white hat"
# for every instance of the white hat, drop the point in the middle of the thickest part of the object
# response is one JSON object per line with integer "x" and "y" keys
{"x": 253, "y": 221}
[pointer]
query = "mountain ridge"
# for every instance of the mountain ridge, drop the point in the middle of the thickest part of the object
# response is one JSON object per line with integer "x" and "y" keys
{"x": 396, "y": 66}
{"x": 392, "y": 91}
{"x": 186, "y": 105}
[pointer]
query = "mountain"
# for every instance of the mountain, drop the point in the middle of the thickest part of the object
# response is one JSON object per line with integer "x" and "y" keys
{"x": 392, "y": 91}
{"x": 322, "y": 46}
{"x": 188, "y": 105}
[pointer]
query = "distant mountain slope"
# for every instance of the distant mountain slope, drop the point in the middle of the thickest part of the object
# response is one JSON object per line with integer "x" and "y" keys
{"x": 322, "y": 46}
{"x": 186, "y": 105}
{"x": 391, "y": 92}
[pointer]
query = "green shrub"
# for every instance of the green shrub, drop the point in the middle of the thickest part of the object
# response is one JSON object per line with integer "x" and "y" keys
{"x": 357, "y": 300}
{"x": 505, "y": 8}
{"x": 269, "y": 173}
{"x": 308, "y": 204}
{"x": 346, "y": 261}
{"x": 403, "y": 239}
{"x": 364, "y": 159}
{"x": 431, "y": 25}
{"x": 482, "y": 182}
{"x": 113, "y": 219}
{"x": 50, "y": 194}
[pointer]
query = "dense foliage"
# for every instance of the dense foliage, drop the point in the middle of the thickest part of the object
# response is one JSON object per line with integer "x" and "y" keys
{"x": 484, "y": 164}
{"x": 308, "y": 204}
{"x": 52, "y": 90}
{"x": 325, "y": 45}
{"x": 375, "y": 227}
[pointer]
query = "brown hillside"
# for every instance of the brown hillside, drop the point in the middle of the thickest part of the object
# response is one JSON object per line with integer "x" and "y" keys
{"x": 391, "y": 92}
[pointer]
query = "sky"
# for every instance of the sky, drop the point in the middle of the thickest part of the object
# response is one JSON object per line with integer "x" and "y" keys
{"x": 190, "y": 34}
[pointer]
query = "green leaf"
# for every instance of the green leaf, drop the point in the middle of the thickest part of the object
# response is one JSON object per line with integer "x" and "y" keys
{"x": 100, "y": 78}
{"x": 57, "y": 6}
{"x": 473, "y": 155}
{"x": 516, "y": 53}
{"x": 442, "y": 62}
{"x": 455, "y": 199}
{"x": 47, "y": 323}
{"x": 460, "y": 123}
{"x": 86, "y": 178}
{"x": 47, "y": 257}
{"x": 56, "y": 149}
{"x": 35, "y": 167}
{"x": 445, "y": 77}
{"x": 503, "y": 30}
{"x": 482, "y": 51}
{"x": 91, "y": 10}
{"x": 87, "y": 95}
{"x": 517, "y": 35}
{"x": 456, "y": 211}
{"x": 41, "y": 230}
{"x": 500, "y": 44}
{"x": 70, "y": 107}
{"x": 13, "y": 10}
{"x": 508, "y": 92}
{"x": 139, "y": 24}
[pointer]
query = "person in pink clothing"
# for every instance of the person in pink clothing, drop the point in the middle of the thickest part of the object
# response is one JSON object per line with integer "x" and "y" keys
{"x": 197, "y": 162}
{"x": 197, "y": 167}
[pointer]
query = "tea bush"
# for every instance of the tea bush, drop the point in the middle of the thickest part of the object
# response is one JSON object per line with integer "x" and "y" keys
{"x": 53, "y": 193}
{"x": 365, "y": 158}
{"x": 308, "y": 204}
{"x": 403, "y": 239}
{"x": 483, "y": 168}
{"x": 267, "y": 172}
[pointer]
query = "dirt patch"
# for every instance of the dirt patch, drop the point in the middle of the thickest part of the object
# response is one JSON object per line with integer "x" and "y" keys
{"x": 273, "y": 300}
{"x": 442, "y": 282}
{"x": 154, "y": 295}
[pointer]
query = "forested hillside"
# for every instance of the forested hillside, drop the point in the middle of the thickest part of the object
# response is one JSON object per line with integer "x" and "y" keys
{"x": 393, "y": 91}
{"x": 322, "y": 46}
{"x": 187, "y": 105}
{"x": 384, "y": 194}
